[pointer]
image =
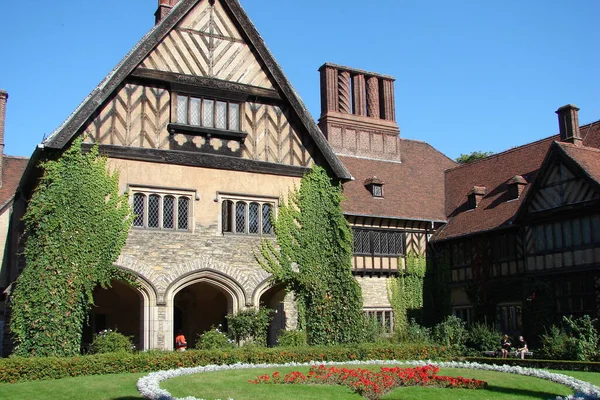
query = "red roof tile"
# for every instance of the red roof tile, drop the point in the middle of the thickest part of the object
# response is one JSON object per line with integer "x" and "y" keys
{"x": 495, "y": 209}
{"x": 588, "y": 158}
{"x": 12, "y": 171}
{"x": 412, "y": 189}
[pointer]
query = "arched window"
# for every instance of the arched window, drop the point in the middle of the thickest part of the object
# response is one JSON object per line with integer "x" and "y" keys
{"x": 153, "y": 211}
{"x": 139, "y": 209}
{"x": 169, "y": 212}
{"x": 240, "y": 217}
{"x": 253, "y": 218}
{"x": 183, "y": 216}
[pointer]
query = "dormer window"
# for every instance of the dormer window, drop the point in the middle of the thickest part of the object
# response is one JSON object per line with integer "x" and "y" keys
{"x": 475, "y": 196}
{"x": 375, "y": 186}
{"x": 516, "y": 185}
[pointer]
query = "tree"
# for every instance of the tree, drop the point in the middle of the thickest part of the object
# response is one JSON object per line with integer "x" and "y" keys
{"x": 474, "y": 156}
{"x": 75, "y": 226}
{"x": 314, "y": 259}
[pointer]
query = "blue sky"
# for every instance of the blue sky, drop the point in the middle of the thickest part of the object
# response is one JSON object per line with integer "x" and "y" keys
{"x": 470, "y": 75}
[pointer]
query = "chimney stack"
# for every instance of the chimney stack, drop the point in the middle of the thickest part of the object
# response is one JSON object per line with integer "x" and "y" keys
{"x": 358, "y": 113}
{"x": 3, "y": 99}
{"x": 568, "y": 123}
{"x": 164, "y": 8}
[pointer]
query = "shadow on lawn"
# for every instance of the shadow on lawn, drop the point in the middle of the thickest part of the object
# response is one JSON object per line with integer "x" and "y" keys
{"x": 127, "y": 398}
{"x": 515, "y": 393}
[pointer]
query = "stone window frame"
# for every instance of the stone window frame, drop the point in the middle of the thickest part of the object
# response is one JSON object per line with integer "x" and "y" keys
{"x": 177, "y": 194}
{"x": 384, "y": 315}
{"x": 231, "y": 227}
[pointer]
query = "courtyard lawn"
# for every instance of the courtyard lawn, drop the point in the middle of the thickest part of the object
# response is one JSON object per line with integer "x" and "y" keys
{"x": 234, "y": 383}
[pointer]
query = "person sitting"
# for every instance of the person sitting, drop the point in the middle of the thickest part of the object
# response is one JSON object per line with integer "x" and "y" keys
{"x": 521, "y": 348}
{"x": 180, "y": 342}
{"x": 505, "y": 346}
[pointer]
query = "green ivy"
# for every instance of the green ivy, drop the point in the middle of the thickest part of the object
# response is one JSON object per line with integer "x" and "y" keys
{"x": 314, "y": 259}
{"x": 76, "y": 224}
{"x": 405, "y": 291}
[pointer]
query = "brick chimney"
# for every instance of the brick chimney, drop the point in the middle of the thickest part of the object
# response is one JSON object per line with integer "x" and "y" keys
{"x": 3, "y": 100}
{"x": 568, "y": 123}
{"x": 358, "y": 113}
{"x": 164, "y": 8}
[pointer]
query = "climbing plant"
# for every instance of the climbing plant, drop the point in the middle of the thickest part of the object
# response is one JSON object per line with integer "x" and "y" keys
{"x": 405, "y": 291}
{"x": 313, "y": 257}
{"x": 76, "y": 224}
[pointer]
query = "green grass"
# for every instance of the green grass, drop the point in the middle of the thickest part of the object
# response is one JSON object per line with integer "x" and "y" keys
{"x": 235, "y": 384}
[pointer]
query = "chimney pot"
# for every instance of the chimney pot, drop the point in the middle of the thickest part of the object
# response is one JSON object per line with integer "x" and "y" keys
{"x": 164, "y": 8}
{"x": 568, "y": 123}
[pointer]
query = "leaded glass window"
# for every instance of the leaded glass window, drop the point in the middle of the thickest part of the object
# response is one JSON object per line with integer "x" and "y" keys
{"x": 139, "y": 208}
{"x": 378, "y": 242}
{"x": 183, "y": 213}
{"x": 240, "y": 217}
{"x": 209, "y": 113}
{"x": 194, "y": 111}
{"x": 221, "y": 115}
{"x": 267, "y": 227}
{"x": 153, "y": 211}
{"x": 168, "y": 212}
{"x": 253, "y": 218}
{"x": 182, "y": 109}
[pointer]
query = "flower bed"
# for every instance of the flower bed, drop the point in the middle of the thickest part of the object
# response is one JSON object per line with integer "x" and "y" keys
{"x": 371, "y": 384}
{"x": 149, "y": 385}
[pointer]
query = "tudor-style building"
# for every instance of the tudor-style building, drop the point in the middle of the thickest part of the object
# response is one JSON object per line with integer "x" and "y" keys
{"x": 522, "y": 244}
{"x": 208, "y": 135}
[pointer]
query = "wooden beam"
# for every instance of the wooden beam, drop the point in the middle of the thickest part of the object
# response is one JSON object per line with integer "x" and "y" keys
{"x": 213, "y": 87}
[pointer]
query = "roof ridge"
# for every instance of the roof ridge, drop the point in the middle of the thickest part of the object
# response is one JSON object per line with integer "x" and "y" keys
{"x": 15, "y": 157}
{"x": 428, "y": 145}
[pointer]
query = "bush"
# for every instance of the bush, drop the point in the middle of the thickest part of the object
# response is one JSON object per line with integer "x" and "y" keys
{"x": 482, "y": 337}
{"x": 16, "y": 369}
{"x": 451, "y": 332}
{"x": 373, "y": 331}
{"x": 292, "y": 338}
{"x": 414, "y": 333}
{"x": 250, "y": 325}
{"x": 583, "y": 337}
{"x": 109, "y": 341}
{"x": 213, "y": 339}
{"x": 555, "y": 344}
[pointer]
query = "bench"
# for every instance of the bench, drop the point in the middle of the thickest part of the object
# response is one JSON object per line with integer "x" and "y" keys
{"x": 496, "y": 353}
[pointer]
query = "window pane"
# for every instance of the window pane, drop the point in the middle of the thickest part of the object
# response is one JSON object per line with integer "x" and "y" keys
{"x": 596, "y": 228}
{"x": 139, "y": 201}
{"x": 576, "y": 232}
{"x": 221, "y": 116}
{"x": 208, "y": 109}
{"x": 586, "y": 228}
{"x": 548, "y": 234}
{"x": 182, "y": 108}
{"x": 153, "y": 210}
{"x": 194, "y": 111}
{"x": 234, "y": 117}
{"x": 376, "y": 236}
{"x": 240, "y": 217}
{"x": 226, "y": 213}
{"x": 558, "y": 243}
{"x": 253, "y": 218}
{"x": 377, "y": 190}
{"x": 567, "y": 233}
{"x": 168, "y": 212}
{"x": 267, "y": 228}
{"x": 183, "y": 213}
{"x": 385, "y": 243}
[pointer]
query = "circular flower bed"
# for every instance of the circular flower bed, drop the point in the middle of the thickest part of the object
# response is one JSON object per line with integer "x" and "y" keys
{"x": 149, "y": 385}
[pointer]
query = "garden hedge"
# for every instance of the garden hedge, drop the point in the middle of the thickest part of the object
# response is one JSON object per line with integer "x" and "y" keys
{"x": 565, "y": 365}
{"x": 15, "y": 369}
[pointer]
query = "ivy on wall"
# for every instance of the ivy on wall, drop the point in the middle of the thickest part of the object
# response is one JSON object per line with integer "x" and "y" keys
{"x": 76, "y": 224}
{"x": 405, "y": 292}
{"x": 314, "y": 259}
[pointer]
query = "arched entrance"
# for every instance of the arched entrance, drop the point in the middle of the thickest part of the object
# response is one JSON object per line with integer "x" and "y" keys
{"x": 118, "y": 308}
{"x": 198, "y": 307}
{"x": 273, "y": 298}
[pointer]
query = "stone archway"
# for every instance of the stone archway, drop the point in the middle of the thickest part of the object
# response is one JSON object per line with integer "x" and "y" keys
{"x": 273, "y": 298}
{"x": 200, "y": 300}
{"x": 119, "y": 307}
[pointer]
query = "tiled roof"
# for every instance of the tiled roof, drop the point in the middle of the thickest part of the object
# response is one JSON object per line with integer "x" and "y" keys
{"x": 12, "y": 170}
{"x": 588, "y": 158}
{"x": 495, "y": 209}
{"x": 412, "y": 189}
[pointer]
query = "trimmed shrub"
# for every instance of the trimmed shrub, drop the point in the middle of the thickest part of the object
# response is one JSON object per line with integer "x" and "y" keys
{"x": 292, "y": 338}
{"x": 213, "y": 339}
{"x": 16, "y": 369}
{"x": 109, "y": 341}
